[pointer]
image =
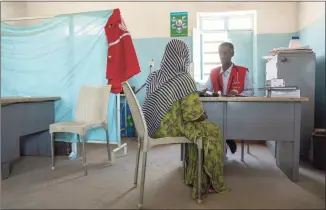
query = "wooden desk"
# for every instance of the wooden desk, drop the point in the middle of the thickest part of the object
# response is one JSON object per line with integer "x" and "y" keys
{"x": 261, "y": 118}
{"x": 24, "y": 125}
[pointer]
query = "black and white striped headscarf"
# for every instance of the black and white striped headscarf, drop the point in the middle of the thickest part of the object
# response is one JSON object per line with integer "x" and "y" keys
{"x": 167, "y": 85}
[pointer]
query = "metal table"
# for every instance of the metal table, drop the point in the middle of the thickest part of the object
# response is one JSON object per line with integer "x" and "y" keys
{"x": 261, "y": 118}
{"x": 24, "y": 128}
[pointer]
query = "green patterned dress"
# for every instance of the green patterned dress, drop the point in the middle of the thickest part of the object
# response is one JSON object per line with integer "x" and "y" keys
{"x": 185, "y": 118}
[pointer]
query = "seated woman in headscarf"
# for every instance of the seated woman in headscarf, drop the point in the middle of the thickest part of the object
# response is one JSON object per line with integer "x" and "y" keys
{"x": 173, "y": 108}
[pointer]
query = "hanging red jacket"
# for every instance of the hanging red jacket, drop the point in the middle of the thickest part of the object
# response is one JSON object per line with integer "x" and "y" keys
{"x": 122, "y": 61}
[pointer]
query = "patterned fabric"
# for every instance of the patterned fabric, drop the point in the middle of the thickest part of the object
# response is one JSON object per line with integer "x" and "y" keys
{"x": 169, "y": 84}
{"x": 183, "y": 119}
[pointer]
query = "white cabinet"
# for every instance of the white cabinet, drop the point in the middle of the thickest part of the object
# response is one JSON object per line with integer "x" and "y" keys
{"x": 298, "y": 69}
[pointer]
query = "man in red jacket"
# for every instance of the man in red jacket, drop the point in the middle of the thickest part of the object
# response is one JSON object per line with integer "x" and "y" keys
{"x": 229, "y": 79}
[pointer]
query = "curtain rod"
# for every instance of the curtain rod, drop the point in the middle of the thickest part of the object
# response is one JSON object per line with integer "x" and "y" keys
{"x": 46, "y": 17}
{"x": 26, "y": 18}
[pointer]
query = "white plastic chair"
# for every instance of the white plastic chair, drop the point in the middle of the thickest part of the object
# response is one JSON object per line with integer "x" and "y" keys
{"x": 91, "y": 112}
{"x": 145, "y": 142}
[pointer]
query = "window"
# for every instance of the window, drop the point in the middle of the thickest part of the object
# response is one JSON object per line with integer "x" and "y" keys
{"x": 215, "y": 37}
{"x": 207, "y": 69}
{"x": 209, "y": 47}
{"x": 213, "y": 24}
{"x": 211, "y": 58}
{"x": 215, "y": 28}
{"x": 235, "y": 23}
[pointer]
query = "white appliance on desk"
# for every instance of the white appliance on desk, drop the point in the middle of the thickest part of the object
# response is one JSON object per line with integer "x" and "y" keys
{"x": 285, "y": 94}
{"x": 277, "y": 88}
{"x": 275, "y": 83}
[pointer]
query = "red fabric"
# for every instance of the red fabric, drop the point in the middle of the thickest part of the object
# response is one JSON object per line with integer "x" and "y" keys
{"x": 236, "y": 80}
{"x": 122, "y": 61}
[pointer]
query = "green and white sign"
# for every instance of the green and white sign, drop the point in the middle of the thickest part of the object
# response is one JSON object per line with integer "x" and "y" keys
{"x": 178, "y": 24}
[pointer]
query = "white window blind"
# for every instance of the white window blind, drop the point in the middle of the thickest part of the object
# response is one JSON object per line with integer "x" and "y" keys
{"x": 215, "y": 28}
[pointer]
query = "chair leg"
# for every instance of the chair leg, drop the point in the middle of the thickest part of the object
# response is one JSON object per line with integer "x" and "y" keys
{"x": 225, "y": 151}
{"x": 52, "y": 151}
{"x": 181, "y": 157}
{"x": 137, "y": 163}
{"x": 184, "y": 161}
{"x": 78, "y": 146}
{"x": 200, "y": 171}
{"x": 248, "y": 149}
{"x": 84, "y": 156}
{"x": 242, "y": 150}
{"x": 108, "y": 146}
{"x": 142, "y": 182}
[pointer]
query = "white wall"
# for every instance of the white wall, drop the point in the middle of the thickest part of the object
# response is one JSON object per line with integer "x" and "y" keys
{"x": 309, "y": 12}
{"x": 151, "y": 19}
{"x": 13, "y": 10}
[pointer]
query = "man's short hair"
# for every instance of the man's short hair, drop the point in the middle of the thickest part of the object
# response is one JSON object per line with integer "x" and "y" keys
{"x": 229, "y": 44}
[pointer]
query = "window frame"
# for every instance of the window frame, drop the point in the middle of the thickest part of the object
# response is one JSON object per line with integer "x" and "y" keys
{"x": 225, "y": 16}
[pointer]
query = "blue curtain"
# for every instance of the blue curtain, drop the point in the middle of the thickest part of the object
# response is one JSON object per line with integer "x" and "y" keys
{"x": 55, "y": 58}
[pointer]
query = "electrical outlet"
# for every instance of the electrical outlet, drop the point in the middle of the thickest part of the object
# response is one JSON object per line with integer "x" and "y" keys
{"x": 151, "y": 63}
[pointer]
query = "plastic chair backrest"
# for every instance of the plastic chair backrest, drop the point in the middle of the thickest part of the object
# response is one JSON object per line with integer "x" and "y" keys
{"x": 92, "y": 104}
{"x": 136, "y": 112}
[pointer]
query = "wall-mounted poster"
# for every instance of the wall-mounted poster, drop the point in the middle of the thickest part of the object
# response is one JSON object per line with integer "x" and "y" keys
{"x": 178, "y": 24}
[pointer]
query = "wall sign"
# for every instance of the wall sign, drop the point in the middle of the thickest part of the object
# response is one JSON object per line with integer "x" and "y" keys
{"x": 178, "y": 24}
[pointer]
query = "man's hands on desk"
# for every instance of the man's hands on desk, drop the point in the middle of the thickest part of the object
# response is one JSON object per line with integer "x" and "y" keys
{"x": 205, "y": 92}
{"x": 232, "y": 93}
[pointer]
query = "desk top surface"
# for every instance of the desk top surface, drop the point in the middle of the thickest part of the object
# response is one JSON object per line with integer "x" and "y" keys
{"x": 26, "y": 99}
{"x": 254, "y": 99}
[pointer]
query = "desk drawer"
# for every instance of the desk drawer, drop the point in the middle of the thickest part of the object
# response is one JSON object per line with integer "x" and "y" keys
{"x": 260, "y": 120}
{"x": 35, "y": 117}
